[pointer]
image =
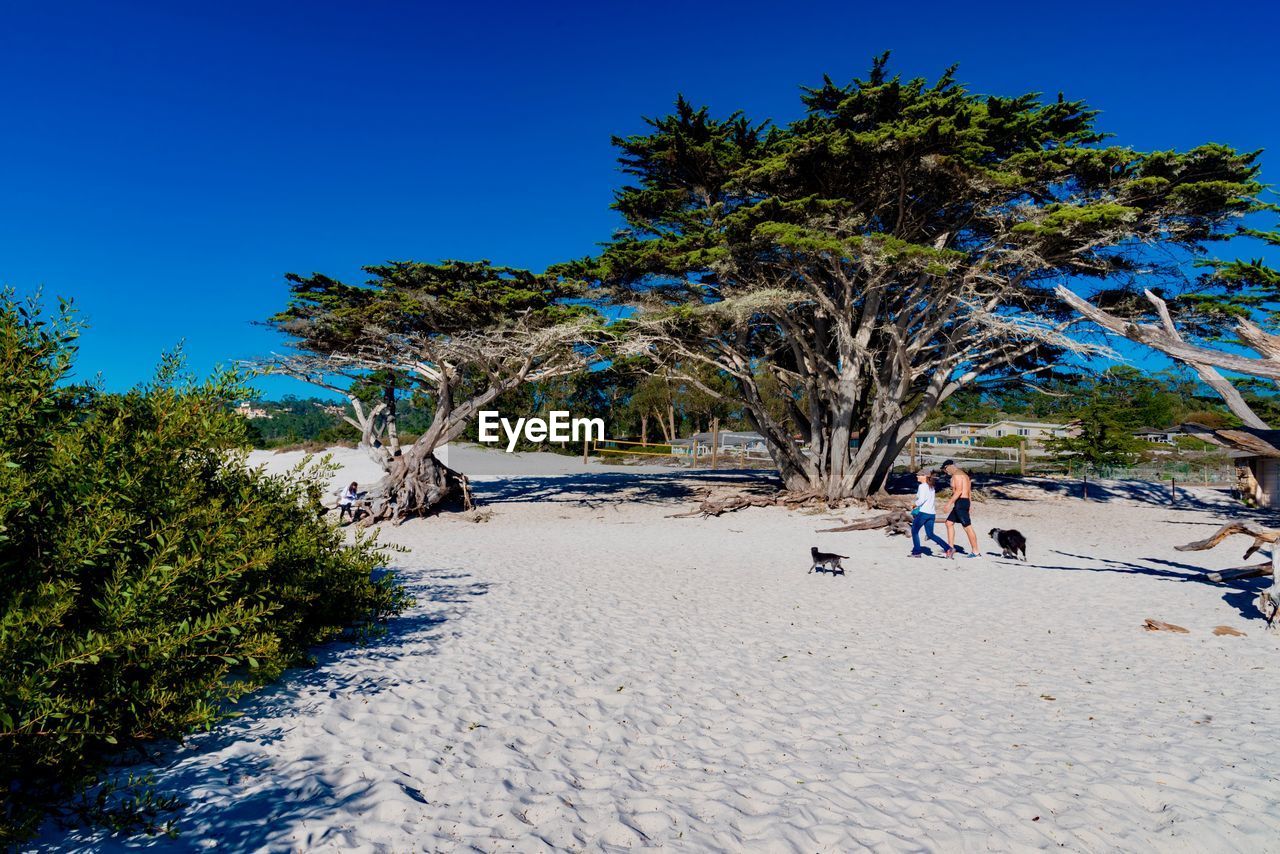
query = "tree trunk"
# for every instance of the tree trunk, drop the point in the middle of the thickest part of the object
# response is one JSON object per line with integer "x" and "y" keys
{"x": 667, "y": 436}
{"x": 837, "y": 472}
{"x": 393, "y": 434}
{"x": 416, "y": 483}
{"x": 644, "y": 430}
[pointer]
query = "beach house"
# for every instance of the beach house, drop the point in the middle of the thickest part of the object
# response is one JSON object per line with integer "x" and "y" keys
{"x": 971, "y": 433}
{"x": 1159, "y": 437}
{"x": 1035, "y": 432}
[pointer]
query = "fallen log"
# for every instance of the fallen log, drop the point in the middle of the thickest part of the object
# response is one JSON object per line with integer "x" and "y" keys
{"x": 895, "y": 521}
{"x": 715, "y": 506}
{"x": 1267, "y": 601}
{"x": 1258, "y": 571}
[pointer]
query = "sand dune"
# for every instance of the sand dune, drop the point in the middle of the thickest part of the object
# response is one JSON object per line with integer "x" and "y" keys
{"x": 584, "y": 673}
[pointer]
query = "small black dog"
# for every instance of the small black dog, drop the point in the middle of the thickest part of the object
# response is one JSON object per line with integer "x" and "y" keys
{"x": 1010, "y": 542}
{"x": 826, "y": 562}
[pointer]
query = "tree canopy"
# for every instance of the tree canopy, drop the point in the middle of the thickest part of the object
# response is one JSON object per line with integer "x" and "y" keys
{"x": 461, "y": 333}
{"x": 898, "y": 242}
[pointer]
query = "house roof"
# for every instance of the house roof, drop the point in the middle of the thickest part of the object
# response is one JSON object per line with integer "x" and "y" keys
{"x": 1046, "y": 424}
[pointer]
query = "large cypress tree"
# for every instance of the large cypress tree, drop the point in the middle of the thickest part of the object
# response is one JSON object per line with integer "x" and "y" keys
{"x": 898, "y": 243}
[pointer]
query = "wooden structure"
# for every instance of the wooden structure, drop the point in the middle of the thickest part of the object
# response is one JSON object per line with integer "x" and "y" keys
{"x": 1256, "y": 453}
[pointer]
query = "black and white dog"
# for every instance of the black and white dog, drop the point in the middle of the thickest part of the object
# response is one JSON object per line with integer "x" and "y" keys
{"x": 1010, "y": 542}
{"x": 826, "y": 562}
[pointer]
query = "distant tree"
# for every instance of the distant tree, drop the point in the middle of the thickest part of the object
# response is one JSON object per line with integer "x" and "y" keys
{"x": 1101, "y": 442}
{"x": 897, "y": 244}
{"x": 461, "y": 333}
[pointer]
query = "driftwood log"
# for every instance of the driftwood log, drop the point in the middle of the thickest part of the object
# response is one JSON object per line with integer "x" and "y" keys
{"x": 893, "y": 522}
{"x": 1261, "y": 536}
{"x": 717, "y": 504}
{"x": 1268, "y": 603}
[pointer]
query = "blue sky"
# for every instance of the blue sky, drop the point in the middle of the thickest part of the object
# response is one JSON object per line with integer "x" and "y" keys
{"x": 166, "y": 163}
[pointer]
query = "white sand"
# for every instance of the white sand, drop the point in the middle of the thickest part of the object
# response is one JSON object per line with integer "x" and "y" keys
{"x": 582, "y": 673}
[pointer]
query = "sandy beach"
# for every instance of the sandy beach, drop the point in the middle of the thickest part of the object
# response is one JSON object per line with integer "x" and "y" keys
{"x": 582, "y": 672}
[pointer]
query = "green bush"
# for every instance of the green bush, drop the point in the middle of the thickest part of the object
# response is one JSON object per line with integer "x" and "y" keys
{"x": 1002, "y": 441}
{"x": 147, "y": 577}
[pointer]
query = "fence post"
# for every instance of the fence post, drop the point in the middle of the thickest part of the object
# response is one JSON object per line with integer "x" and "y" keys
{"x": 715, "y": 442}
{"x": 1173, "y": 490}
{"x": 1022, "y": 459}
{"x": 584, "y": 450}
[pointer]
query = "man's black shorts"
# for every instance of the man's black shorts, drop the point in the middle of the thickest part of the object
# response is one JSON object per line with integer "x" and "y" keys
{"x": 960, "y": 513}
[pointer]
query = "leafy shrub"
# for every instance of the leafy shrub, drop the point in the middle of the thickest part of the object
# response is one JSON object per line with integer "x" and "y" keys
{"x": 147, "y": 576}
{"x": 1002, "y": 441}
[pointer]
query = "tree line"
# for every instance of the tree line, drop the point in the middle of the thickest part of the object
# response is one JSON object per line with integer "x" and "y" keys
{"x": 640, "y": 406}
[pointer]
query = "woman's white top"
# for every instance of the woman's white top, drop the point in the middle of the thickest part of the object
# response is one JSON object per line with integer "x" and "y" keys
{"x": 926, "y": 499}
{"x": 348, "y": 497}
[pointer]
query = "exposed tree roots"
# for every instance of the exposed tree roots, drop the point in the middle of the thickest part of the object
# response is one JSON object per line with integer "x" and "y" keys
{"x": 416, "y": 484}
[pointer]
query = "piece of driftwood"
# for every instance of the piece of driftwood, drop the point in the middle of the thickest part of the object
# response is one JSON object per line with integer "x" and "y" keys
{"x": 1261, "y": 536}
{"x": 1161, "y": 626}
{"x": 1227, "y": 631}
{"x": 894, "y": 522}
{"x": 1267, "y": 601}
{"x": 1257, "y": 571}
{"x": 717, "y": 504}
{"x": 1269, "y": 605}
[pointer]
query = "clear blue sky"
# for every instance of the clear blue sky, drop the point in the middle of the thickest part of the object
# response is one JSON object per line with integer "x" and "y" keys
{"x": 166, "y": 163}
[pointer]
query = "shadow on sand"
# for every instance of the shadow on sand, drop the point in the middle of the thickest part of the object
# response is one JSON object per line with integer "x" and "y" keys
{"x": 1240, "y": 594}
{"x": 591, "y": 489}
{"x": 259, "y": 818}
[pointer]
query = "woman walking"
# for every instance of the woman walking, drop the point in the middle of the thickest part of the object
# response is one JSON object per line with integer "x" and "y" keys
{"x": 923, "y": 514}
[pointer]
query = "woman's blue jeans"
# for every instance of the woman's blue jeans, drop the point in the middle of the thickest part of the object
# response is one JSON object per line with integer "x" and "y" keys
{"x": 924, "y": 521}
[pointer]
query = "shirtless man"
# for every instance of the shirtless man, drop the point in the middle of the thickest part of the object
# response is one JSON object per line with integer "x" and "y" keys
{"x": 961, "y": 497}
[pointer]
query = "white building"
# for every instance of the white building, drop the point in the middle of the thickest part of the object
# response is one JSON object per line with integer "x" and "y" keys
{"x": 1035, "y": 432}
{"x": 1161, "y": 437}
{"x": 971, "y": 433}
{"x": 245, "y": 409}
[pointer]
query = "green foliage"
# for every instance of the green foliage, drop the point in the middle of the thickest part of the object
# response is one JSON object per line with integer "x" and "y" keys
{"x": 147, "y": 576}
{"x": 1135, "y": 399}
{"x": 293, "y": 420}
{"x": 846, "y": 250}
{"x": 414, "y": 298}
{"x": 1102, "y": 442}
{"x": 1002, "y": 441}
